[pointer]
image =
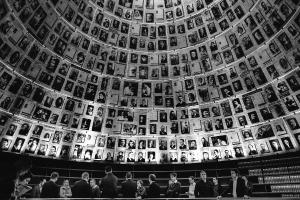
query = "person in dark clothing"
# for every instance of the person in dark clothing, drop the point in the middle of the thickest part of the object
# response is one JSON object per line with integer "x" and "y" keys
{"x": 22, "y": 187}
{"x": 173, "y": 190}
{"x": 203, "y": 187}
{"x": 96, "y": 193}
{"x": 248, "y": 185}
{"x": 109, "y": 184}
{"x": 36, "y": 191}
{"x": 154, "y": 188}
{"x": 236, "y": 187}
{"x": 82, "y": 189}
{"x": 50, "y": 188}
{"x": 12, "y": 174}
{"x": 129, "y": 187}
{"x": 216, "y": 187}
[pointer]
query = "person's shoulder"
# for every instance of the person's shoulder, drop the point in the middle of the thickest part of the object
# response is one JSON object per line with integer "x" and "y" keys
{"x": 106, "y": 177}
{"x": 79, "y": 182}
{"x": 240, "y": 179}
{"x": 45, "y": 184}
{"x": 50, "y": 183}
{"x": 115, "y": 176}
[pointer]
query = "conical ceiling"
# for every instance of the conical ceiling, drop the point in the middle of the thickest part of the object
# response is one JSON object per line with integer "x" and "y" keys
{"x": 152, "y": 81}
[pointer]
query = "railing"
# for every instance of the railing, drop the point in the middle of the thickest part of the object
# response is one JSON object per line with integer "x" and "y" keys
{"x": 208, "y": 198}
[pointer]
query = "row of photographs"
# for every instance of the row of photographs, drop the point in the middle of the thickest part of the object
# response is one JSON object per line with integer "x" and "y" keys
{"x": 38, "y": 57}
{"x": 275, "y": 128}
{"x": 150, "y": 11}
{"x": 227, "y": 83}
{"x": 101, "y": 20}
{"x": 79, "y": 146}
{"x": 274, "y": 100}
{"x": 65, "y": 37}
{"x": 109, "y": 124}
{"x": 186, "y": 92}
{"x": 186, "y": 26}
{"x": 209, "y": 58}
{"x": 90, "y": 117}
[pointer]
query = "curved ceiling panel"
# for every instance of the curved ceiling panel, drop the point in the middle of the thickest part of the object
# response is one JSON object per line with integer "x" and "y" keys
{"x": 149, "y": 81}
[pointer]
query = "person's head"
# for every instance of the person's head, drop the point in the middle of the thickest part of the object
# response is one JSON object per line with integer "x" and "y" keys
{"x": 244, "y": 178}
{"x": 216, "y": 152}
{"x": 193, "y": 143}
{"x": 293, "y": 122}
{"x": 4, "y": 144}
{"x": 140, "y": 155}
{"x": 92, "y": 182}
{"x": 180, "y": 98}
{"x": 66, "y": 183}
{"x": 275, "y": 144}
{"x": 54, "y": 176}
{"x": 203, "y": 175}
{"x": 24, "y": 179}
{"x": 85, "y": 176}
{"x": 139, "y": 183}
{"x": 152, "y": 178}
{"x": 108, "y": 169}
{"x": 191, "y": 179}
{"x": 128, "y": 175}
{"x": 215, "y": 181}
{"x": 234, "y": 173}
{"x": 181, "y": 141}
{"x": 247, "y": 134}
{"x": 286, "y": 142}
{"x": 131, "y": 143}
{"x": 226, "y": 152}
{"x": 205, "y": 156}
{"x": 173, "y": 176}
{"x": 251, "y": 147}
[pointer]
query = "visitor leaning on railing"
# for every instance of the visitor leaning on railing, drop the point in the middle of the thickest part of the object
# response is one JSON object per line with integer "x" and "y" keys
{"x": 203, "y": 188}
{"x": 237, "y": 187}
{"x": 37, "y": 189}
{"x": 191, "y": 192}
{"x": 173, "y": 190}
{"x": 109, "y": 184}
{"x": 65, "y": 190}
{"x": 141, "y": 190}
{"x": 154, "y": 188}
{"x": 128, "y": 187}
{"x": 81, "y": 188}
{"x": 50, "y": 188}
{"x": 96, "y": 193}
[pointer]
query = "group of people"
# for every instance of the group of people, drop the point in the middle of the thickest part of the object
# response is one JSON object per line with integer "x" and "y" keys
{"x": 88, "y": 188}
{"x": 239, "y": 186}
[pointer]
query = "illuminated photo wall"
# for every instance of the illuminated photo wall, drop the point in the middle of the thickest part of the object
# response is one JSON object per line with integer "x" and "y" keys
{"x": 149, "y": 81}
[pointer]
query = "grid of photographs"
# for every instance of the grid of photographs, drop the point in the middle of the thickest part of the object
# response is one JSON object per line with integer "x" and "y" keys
{"x": 223, "y": 83}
